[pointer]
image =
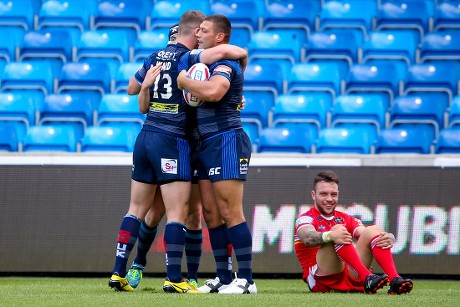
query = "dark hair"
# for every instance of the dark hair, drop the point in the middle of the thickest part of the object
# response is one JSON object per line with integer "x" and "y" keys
{"x": 189, "y": 21}
{"x": 326, "y": 176}
{"x": 173, "y": 32}
{"x": 221, "y": 24}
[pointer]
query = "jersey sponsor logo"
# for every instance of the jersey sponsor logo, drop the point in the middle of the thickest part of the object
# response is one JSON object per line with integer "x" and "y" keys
{"x": 303, "y": 220}
{"x": 224, "y": 69}
{"x": 164, "y": 108}
{"x": 166, "y": 55}
{"x": 244, "y": 164}
{"x": 338, "y": 220}
{"x": 168, "y": 166}
{"x": 214, "y": 171}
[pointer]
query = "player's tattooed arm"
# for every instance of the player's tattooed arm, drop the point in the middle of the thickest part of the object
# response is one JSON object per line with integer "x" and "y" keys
{"x": 310, "y": 237}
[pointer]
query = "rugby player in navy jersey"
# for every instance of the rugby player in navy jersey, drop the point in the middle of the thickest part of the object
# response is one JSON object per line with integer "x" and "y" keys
{"x": 225, "y": 149}
{"x": 330, "y": 261}
{"x": 166, "y": 120}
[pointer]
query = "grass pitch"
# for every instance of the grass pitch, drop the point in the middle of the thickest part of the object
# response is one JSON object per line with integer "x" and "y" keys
{"x": 20, "y": 291}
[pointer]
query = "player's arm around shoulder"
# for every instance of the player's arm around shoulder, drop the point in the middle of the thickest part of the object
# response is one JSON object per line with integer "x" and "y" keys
{"x": 223, "y": 51}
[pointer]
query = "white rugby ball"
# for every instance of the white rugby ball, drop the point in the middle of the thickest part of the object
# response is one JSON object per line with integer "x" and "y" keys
{"x": 198, "y": 71}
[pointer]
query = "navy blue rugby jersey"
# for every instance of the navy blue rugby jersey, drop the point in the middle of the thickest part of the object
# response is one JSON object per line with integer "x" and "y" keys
{"x": 168, "y": 111}
{"x": 215, "y": 117}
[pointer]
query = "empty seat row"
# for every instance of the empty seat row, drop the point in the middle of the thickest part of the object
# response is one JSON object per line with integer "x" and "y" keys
{"x": 357, "y": 140}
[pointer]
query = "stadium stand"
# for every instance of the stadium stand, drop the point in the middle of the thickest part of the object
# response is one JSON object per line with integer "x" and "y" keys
{"x": 18, "y": 13}
{"x": 257, "y": 108}
{"x": 119, "y": 83}
{"x": 363, "y": 109}
{"x": 147, "y": 42}
{"x": 11, "y": 40}
{"x": 447, "y": 15}
{"x": 448, "y": 141}
{"x": 390, "y": 45}
{"x": 50, "y": 138}
{"x": 118, "y": 108}
{"x": 108, "y": 138}
{"x": 306, "y": 111}
{"x": 35, "y": 77}
{"x": 71, "y": 109}
{"x": 415, "y": 15}
{"x": 453, "y": 116}
{"x": 440, "y": 45}
{"x": 383, "y": 77}
{"x": 291, "y": 14}
{"x": 345, "y": 140}
{"x": 284, "y": 140}
{"x": 9, "y": 137}
{"x": 340, "y": 46}
{"x": 320, "y": 76}
{"x": 351, "y": 14}
{"x": 417, "y": 110}
{"x": 409, "y": 139}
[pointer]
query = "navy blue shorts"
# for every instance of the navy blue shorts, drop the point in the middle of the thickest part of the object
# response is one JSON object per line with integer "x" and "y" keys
{"x": 225, "y": 156}
{"x": 161, "y": 158}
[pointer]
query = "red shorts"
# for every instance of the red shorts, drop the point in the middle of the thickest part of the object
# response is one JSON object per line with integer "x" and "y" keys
{"x": 342, "y": 282}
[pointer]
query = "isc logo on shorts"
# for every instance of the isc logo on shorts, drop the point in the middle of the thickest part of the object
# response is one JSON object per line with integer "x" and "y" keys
{"x": 169, "y": 166}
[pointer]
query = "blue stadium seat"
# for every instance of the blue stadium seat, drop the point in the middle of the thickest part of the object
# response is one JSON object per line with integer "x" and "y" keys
{"x": 18, "y": 13}
{"x": 280, "y": 44}
{"x": 415, "y": 139}
{"x": 37, "y": 76}
{"x": 240, "y": 37}
{"x": 108, "y": 44}
{"x": 119, "y": 84}
{"x": 68, "y": 109}
{"x": 364, "y": 109}
{"x": 350, "y": 14}
{"x": 253, "y": 132}
{"x": 441, "y": 45}
{"x": 9, "y": 137}
{"x": 298, "y": 14}
{"x": 440, "y": 76}
{"x": 448, "y": 141}
{"x": 391, "y": 45}
{"x": 54, "y": 45}
{"x": 118, "y": 108}
{"x": 122, "y": 14}
{"x": 447, "y": 15}
{"x": 415, "y": 15}
{"x": 416, "y": 110}
{"x": 73, "y": 15}
{"x": 380, "y": 77}
{"x": 256, "y": 109}
{"x": 243, "y": 14}
{"x": 266, "y": 78}
{"x": 345, "y": 140}
{"x": 284, "y": 140}
{"x": 109, "y": 138}
{"x": 50, "y": 138}
{"x": 89, "y": 77}
{"x": 309, "y": 109}
{"x": 324, "y": 77}
{"x": 11, "y": 40}
{"x": 332, "y": 45}
{"x": 164, "y": 14}
{"x": 20, "y": 108}
{"x": 453, "y": 119}
{"x": 148, "y": 42}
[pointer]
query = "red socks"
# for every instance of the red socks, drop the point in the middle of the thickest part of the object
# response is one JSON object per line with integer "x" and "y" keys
{"x": 385, "y": 259}
{"x": 350, "y": 257}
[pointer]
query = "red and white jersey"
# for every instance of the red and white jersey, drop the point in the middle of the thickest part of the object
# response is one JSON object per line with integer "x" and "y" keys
{"x": 307, "y": 254}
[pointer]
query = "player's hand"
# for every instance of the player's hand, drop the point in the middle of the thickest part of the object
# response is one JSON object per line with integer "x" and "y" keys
{"x": 151, "y": 75}
{"x": 182, "y": 75}
{"x": 385, "y": 240}
{"x": 340, "y": 235}
{"x": 243, "y": 103}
